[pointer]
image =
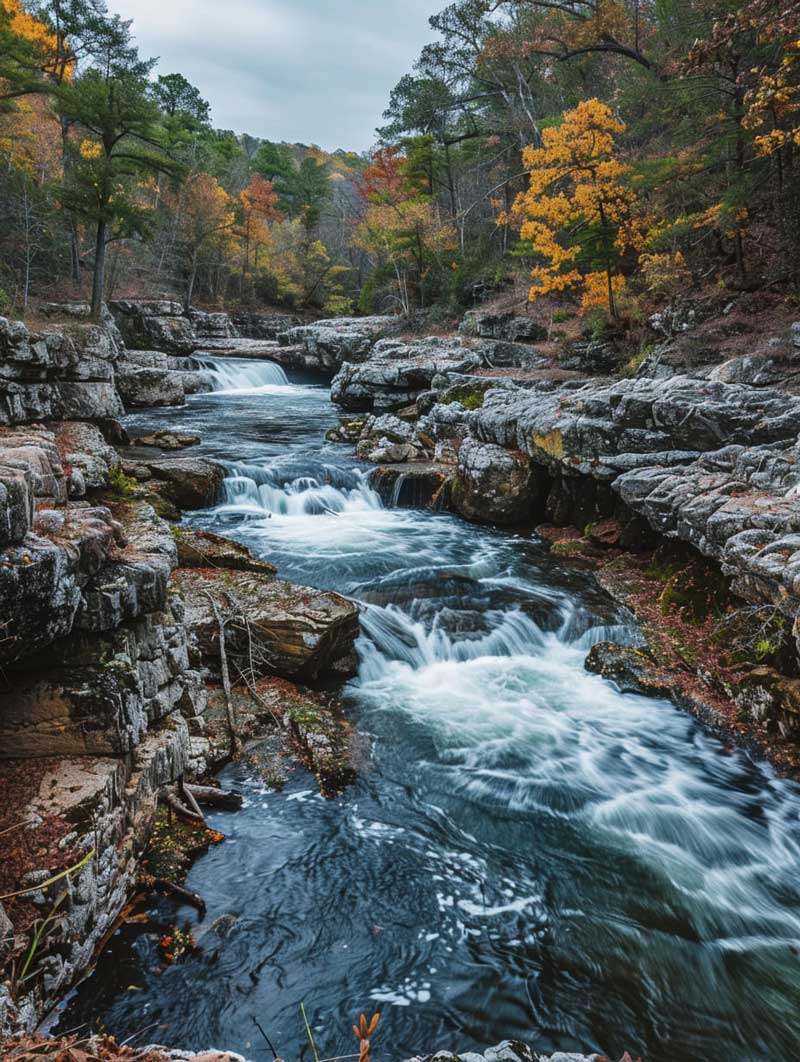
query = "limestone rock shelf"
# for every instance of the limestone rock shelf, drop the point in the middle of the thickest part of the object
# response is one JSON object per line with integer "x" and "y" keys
{"x": 106, "y": 651}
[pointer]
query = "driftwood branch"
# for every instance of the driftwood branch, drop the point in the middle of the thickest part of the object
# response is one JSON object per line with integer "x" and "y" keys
{"x": 214, "y": 798}
{"x": 190, "y": 800}
{"x": 170, "y": 794}
{"x": 169, "y": 888}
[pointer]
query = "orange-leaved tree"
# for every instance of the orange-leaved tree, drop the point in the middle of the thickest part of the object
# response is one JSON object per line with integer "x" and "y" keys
{"x": 258, "y": 205}
{"x": 28, "y": 51}
{"x": 401, "y": 228}
{"x": 578, "y": 214}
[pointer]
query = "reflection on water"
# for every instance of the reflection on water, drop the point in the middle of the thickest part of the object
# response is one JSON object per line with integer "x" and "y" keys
{"x": 527, "y": 854}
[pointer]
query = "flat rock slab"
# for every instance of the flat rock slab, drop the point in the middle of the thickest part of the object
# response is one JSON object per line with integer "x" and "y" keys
{"x": 203, "y": 549}
{"x": 291, "y": 631}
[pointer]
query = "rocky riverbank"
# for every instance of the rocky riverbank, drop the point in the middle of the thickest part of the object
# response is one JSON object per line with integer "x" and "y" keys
{"x": 689, "y": 466}
{"x": 110, "y": 632}
{"x": 105, "y": 1050}
{"x": 678, "y": 483}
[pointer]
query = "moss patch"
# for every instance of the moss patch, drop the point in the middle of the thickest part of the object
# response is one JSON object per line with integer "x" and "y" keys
{"x": 468, "y": 397}
{"x": 174, "y": 844}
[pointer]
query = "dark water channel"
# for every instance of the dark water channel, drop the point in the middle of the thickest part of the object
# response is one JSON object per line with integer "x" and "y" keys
{"x": 527, "y": 853}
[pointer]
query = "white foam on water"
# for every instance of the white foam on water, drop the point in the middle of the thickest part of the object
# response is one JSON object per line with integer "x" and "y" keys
{"x": 518, "y": 724}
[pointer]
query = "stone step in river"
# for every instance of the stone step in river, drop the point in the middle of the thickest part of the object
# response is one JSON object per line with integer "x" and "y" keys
{"x": 526, "y": 853}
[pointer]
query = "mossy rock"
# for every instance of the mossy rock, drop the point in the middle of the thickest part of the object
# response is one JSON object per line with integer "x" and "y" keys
{"x": 470, "y": 396}
{"x": 695, "y": 591}
{"x": 632, "y": 670}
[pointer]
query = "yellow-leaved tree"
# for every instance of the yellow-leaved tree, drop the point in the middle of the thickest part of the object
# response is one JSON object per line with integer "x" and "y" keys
{"x": 579, "y": 214}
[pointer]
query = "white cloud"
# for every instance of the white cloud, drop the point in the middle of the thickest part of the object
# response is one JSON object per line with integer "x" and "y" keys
{"x": 309, "y": 70}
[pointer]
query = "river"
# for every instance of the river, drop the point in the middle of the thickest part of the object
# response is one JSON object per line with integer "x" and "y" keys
{"x": 527, "y": 853}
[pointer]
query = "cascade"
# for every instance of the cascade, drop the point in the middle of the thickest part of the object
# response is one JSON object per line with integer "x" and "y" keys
{"x": 231, "y": 375}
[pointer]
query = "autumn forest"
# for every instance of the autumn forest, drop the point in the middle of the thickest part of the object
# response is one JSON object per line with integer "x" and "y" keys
{"x": 611, "y": 152}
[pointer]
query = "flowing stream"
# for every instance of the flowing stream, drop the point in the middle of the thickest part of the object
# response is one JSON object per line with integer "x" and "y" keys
{"x": 526, "y": 853}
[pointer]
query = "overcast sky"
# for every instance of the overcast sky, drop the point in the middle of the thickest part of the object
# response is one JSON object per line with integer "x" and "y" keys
{"x": 312, "y": 71}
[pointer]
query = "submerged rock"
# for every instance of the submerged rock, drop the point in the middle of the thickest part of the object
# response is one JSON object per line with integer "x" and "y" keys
{"x": 632, "y": 670}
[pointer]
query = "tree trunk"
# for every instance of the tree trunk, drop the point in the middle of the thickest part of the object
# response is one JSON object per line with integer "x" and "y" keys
{"x": 187, "y": 302}
{"x": 98, "y": 282}
{"x": 70, "y": 223}
{"x": 612, "y": 306}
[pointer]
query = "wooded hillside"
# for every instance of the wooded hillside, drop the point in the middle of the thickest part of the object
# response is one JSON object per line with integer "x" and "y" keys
{"x": 608, "y": 154}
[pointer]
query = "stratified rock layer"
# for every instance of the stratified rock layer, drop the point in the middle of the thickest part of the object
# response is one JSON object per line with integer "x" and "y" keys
{"x": 65, "y": 374}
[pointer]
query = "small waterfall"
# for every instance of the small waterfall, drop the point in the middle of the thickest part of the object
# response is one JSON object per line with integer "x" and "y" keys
{"x": 579, "y": 631}
{"x": 324, "y": 490}
{"x": 232, "y": 375}
{"x": 395, "y": 635}
{"x": 394, "y": 501}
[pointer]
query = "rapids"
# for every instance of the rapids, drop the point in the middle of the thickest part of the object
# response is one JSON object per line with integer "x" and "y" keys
{"x": 527, "y": 853}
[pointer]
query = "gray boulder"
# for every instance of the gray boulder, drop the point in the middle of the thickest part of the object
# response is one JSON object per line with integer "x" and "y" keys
{"x": 57, "y": 372}
{"x": 86, "y": 450}
{"x": 252, "y": 325}
{"x": 495, "y": 486}
{"x": 329, "y": 344}
{"x": 97, "y": 696}
{"x": 397, "y": 373}
{"x": 154, "y": 325}
{"x": 508, "y": 326}
{"x": 188, "y": 482}
{"x": 141, "y": 388}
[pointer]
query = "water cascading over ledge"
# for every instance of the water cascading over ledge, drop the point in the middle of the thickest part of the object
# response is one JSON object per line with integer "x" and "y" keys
{"x": 226, "y": 375}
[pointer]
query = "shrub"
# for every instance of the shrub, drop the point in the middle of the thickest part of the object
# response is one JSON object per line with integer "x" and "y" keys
{"x": 120, "y": 483}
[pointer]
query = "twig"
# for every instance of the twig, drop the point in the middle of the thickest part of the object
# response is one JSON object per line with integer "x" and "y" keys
{"x": 309, "y": 1033}
{"x": 226, "y": 676}
{"x": 147, "y": 1028}
{"x": 51, "y": 881}
{"x": 269, "y": 1042}
{"x": 16, "y": 826}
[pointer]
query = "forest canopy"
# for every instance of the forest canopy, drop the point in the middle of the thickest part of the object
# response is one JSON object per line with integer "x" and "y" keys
{"x": 606, "y": 154}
